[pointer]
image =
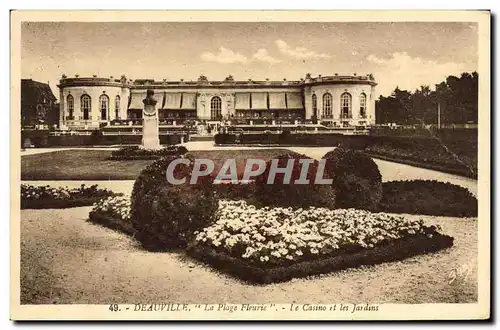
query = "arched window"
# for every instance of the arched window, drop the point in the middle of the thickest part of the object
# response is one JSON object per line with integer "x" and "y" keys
{"x": 315, "y": 105}
{"x": 362, "y": 105}
{"x": 70, "y": 105}
{"x": 104, "y": 106}
{"x": 117, "y": 107}
{"x": 345, "y": 105}
{"x": 86, "y": 106}
{"x": 327, "y": 105}
{"x": 215, "y": 107}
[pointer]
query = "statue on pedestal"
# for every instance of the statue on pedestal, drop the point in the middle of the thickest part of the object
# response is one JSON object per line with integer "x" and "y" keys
{"x": 150, "y": 129}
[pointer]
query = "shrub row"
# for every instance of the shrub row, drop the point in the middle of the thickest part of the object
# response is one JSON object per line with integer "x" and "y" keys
{"x": 395, "y": 250}
{"x": 97, "y": 139}
{"x": 287, "y": 138}
{"x": 429, "y": 197}
{"x": 224, "y": 138}
{"x": 58, "y": 204}
{"x": 137, "y": 153}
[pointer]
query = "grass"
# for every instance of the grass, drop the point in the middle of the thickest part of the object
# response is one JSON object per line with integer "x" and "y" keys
{"x": 67, "y": 260}
{"x": 94, "y": 164}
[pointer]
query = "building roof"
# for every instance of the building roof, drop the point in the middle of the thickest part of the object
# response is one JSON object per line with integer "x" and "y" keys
{"x": 204, "y": 82}
{"x": 33, "y": 91}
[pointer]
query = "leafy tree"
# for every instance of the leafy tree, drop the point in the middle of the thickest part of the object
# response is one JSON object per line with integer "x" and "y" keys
{"x": 456, "y": 96}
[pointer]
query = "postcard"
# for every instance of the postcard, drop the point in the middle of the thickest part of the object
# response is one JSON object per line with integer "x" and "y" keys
{"x": 250, "y": 165}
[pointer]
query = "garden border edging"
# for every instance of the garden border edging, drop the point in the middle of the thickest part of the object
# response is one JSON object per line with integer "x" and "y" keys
{"x": 407, "y": 247}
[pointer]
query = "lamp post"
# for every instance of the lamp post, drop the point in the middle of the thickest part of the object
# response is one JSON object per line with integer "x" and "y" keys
{"x": 439, "y": 115}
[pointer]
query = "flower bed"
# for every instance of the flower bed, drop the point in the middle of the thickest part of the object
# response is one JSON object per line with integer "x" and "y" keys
{"x": 47, "y": 197}
{"x": 113, "y": 212}
{"x": 276, "y": 244}
{"x": 136, "y": 153}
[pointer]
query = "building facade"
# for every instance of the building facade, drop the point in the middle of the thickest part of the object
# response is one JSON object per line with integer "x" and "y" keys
{"x": 38, "y": 104}
{"x": 338, "y": 100}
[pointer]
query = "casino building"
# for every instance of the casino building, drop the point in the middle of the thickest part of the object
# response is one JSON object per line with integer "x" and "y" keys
{"x": 339, "y": 101}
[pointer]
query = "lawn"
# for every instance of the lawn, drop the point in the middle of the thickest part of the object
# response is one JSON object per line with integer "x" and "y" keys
{"x": 94, "y": 164}
{"x": 66, "y": 260}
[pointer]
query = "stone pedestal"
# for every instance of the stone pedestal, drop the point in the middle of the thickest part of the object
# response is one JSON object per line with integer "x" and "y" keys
{"x": 150, "y": 129}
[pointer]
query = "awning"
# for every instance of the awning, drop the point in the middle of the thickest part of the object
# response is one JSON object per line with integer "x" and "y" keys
{"x": 158, "y": 96}
{"x": 173, "y": 101}
{"x": 277, "y": 101}
{"x": 294, "y": 101}
{"x": 188, "y": 101}
{"x": 136, "y": 100}
{"x": 242, "y": 101}
{"x": 259, "y": 101}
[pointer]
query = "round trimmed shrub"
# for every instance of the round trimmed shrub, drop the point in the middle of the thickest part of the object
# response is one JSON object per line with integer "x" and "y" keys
{"x": 290, "y": 194}
{"x": 165, "y": 215}
{"x": 356, "y": 179}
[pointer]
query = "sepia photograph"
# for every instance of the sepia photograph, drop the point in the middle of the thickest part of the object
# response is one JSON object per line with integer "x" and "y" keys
{"x": 272, "y": 165}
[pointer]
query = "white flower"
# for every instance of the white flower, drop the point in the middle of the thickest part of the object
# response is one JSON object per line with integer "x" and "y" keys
{"x": 276, "y": 254}
{"x": 281, "y": 230}
{"x": 283, "y": 251}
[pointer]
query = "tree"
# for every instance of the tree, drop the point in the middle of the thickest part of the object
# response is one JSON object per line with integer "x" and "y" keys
{"x": 456, "y": 96}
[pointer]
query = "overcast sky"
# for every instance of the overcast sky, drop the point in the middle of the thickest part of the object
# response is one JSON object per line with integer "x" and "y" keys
{"x": 397, "y": 54}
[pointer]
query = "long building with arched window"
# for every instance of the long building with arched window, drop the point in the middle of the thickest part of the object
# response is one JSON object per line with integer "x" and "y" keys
{"x": 341, "y": 101}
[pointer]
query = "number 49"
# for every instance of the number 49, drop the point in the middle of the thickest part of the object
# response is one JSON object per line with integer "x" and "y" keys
{"x": 113, "y": 307}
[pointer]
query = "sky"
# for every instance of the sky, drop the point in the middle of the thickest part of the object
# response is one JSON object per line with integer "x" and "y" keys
{"x": 402, "y": 54}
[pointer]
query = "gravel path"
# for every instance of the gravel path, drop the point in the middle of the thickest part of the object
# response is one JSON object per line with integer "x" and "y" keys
{"x": 65, "y": 259}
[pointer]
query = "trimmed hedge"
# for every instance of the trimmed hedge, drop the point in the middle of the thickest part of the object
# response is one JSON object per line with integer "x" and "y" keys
{"x": 136, "y": 153}
{"x": 290, "y": 194}
{"x": 223, "y": 138}
{"x": 165, "y": 216}
{"x": 429, "y": 197}
{"x": 356, "y": 179}
{"x": 49, "y": 203}
{"x": 288, "y": 138}
{"x": 97, "y": 138}
{"x": 395, "y": 250}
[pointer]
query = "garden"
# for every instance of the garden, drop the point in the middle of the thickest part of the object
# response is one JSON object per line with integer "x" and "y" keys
{"x": 264, "y": 233}
{"x": 451, "y": 151}
{"x": 91, "y": 165}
